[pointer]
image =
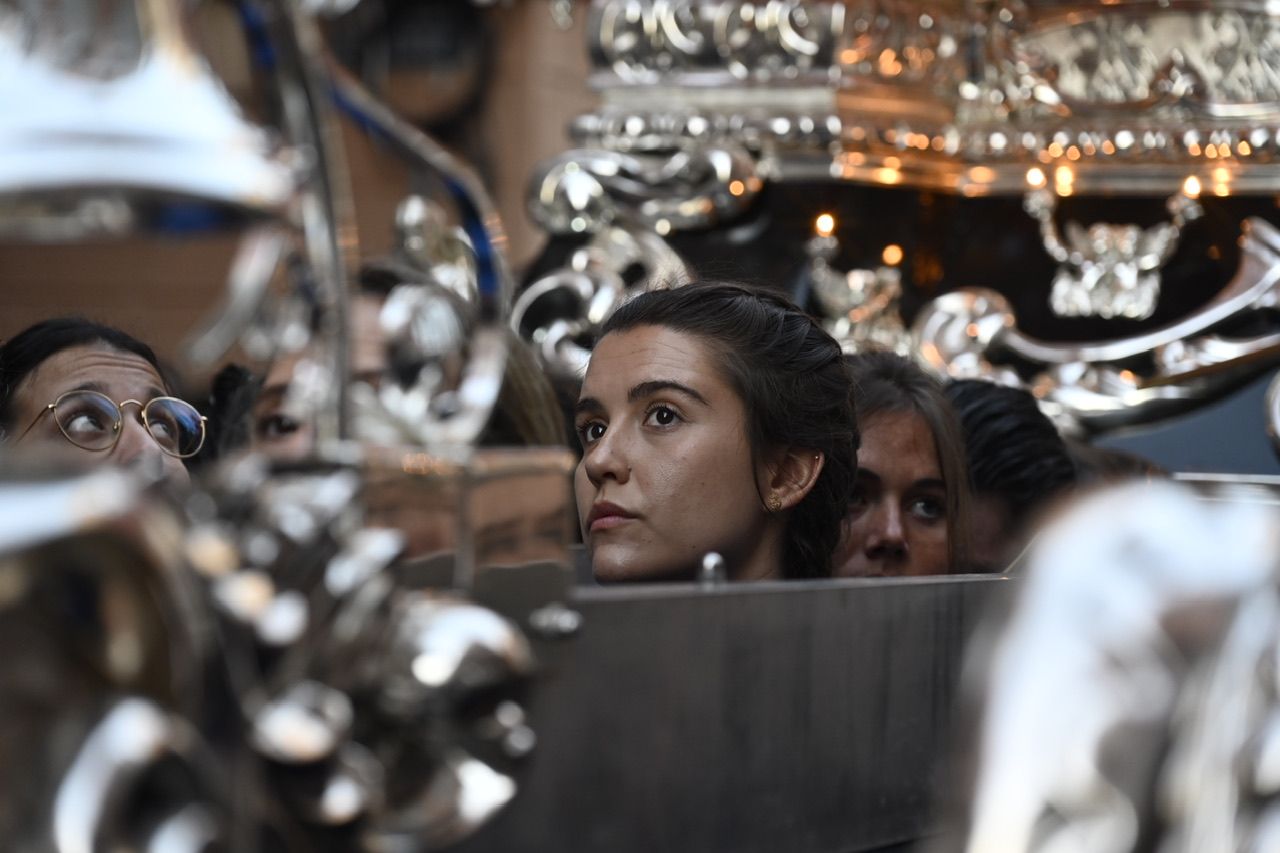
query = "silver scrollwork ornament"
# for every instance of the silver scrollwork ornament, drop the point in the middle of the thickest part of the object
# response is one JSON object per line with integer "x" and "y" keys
{"x": 1109, "y": 270}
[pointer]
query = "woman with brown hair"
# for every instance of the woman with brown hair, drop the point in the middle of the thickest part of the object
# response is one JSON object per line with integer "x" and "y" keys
{"x": 908, "y": 515}
{"x": 713, "y": 417}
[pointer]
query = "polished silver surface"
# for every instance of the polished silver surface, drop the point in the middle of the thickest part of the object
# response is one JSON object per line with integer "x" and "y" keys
{"x": 436, "y": 248}
{"x": 1129, "y": 698}
{"x": 561, "y": 314}
{"x": 584, "y": 191}
{"x": 79, "y": 89}
{"x": 97, "y": 709}
{"x": 1090, "y": 386}
{"x": 218, "y": 675}
{"x": 1132, "y": 96}
{"x": 479, "y": 216}
{"x": 1109, "y": 270}
{"x": 95, "y": 804}
{"x": 861, "y": 305}
{"x": 446, "y": 686}
{"x": 640, "y": 41}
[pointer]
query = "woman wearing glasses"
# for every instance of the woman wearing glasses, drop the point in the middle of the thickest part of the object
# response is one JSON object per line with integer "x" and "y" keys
{"x": 70, "y": 387}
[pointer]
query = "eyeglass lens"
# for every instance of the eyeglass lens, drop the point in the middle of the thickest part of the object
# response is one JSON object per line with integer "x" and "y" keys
{"x": 90, "y": 420}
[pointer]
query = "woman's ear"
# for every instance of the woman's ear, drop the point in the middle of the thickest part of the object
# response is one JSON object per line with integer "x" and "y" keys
{"x": 792, "y": 476}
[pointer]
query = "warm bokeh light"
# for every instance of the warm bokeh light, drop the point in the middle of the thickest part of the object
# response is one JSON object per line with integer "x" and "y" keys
{"x": 737, "y": 188}
{"x": 1191, "y": 187}
{"x": 892, "y": 255}
{"x": 1035, "y": 177}
{"x": 824, "y": 225}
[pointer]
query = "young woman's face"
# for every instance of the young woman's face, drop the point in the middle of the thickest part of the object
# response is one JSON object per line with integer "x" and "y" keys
{"x": 667, "y": 472}
{"x": 897, "y": 524}
{"x": 114, "y": 373}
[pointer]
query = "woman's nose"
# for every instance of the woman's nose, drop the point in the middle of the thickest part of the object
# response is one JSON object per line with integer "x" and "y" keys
{"x": 887, "y": 538}
{"x": 136, "y": 445}
{"x": 607, "y": 459}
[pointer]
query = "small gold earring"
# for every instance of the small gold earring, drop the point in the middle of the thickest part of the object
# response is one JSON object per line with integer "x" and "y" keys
{"x": 775, "y": 503}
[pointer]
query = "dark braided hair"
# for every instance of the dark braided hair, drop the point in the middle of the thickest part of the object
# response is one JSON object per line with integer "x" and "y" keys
{"x": 1014, "y": 451}
{"x": 793, "y": 383}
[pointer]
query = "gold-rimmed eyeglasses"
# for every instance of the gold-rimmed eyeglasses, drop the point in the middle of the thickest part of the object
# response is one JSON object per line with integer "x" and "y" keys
{"x": 94, "y": 421}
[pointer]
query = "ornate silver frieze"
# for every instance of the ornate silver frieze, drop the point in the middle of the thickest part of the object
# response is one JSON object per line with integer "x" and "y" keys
{"x": 1130, "y": 96}
{"x": 960, "y": 96}
{"x": 645, "y": 41}
{"x": 1176, "y": 59}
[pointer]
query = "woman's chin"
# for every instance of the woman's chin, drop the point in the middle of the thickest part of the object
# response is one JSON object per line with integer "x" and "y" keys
{"x": 611, "y": 568}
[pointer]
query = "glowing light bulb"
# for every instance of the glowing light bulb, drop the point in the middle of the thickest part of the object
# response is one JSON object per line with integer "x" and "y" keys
{"x": 824, "y": 225}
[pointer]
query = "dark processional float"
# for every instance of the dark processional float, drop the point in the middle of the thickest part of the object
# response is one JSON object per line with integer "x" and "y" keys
{"x": 1072, "y": 198}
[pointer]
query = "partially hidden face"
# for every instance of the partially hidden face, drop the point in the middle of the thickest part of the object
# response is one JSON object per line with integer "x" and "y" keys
{"x": 276, "y": 432}
{"x": 667, "y": 472}
{"x": 897, "y": 523}
{"x": 114, "y": 373}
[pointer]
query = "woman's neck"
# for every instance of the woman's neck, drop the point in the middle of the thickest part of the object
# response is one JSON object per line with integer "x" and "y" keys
{"x": 762, "y": 563}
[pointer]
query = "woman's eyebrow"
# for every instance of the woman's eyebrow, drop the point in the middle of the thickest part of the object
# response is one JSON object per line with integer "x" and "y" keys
{"x": 88, "y": 386}
{"x": 588, "y": 404}
{"x": 929, "y": 483}
{"x": 653, "y": 386}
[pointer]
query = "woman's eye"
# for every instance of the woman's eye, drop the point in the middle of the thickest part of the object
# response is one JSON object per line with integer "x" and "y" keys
{"x": 590, "y": 432}
{"x": 928, "y": 509}
{"x": 276, "y": 426}
{"x": 84, "y": 423}
{"x": 859, "y": 501}
{"x": 661, "y": 416}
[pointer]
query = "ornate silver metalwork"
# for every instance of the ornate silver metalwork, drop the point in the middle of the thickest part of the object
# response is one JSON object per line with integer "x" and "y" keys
{"x": 389, "y": 700}
{"x": 98, "y": 708}
{"x": 972, "y": 333}
{"x": 641, "y": 41}
{"x": 1108, "y": 270}
{"x": 583, "y": 191}
{"x": 435, "y": 248}
{"x": 320, "y": 636}
{"x": 1182, "y": 60}
{"x": 79, "y": 92}
{"x": 861, "y": 305}
{"x": 1155, "y": 725}
{"x": 562, "y": 313}
{"x": 963, "y": 97}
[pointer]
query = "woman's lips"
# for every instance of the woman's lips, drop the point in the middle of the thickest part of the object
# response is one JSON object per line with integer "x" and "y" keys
{"x": 608, "y": 522}
{"x": 606, "y": 516}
